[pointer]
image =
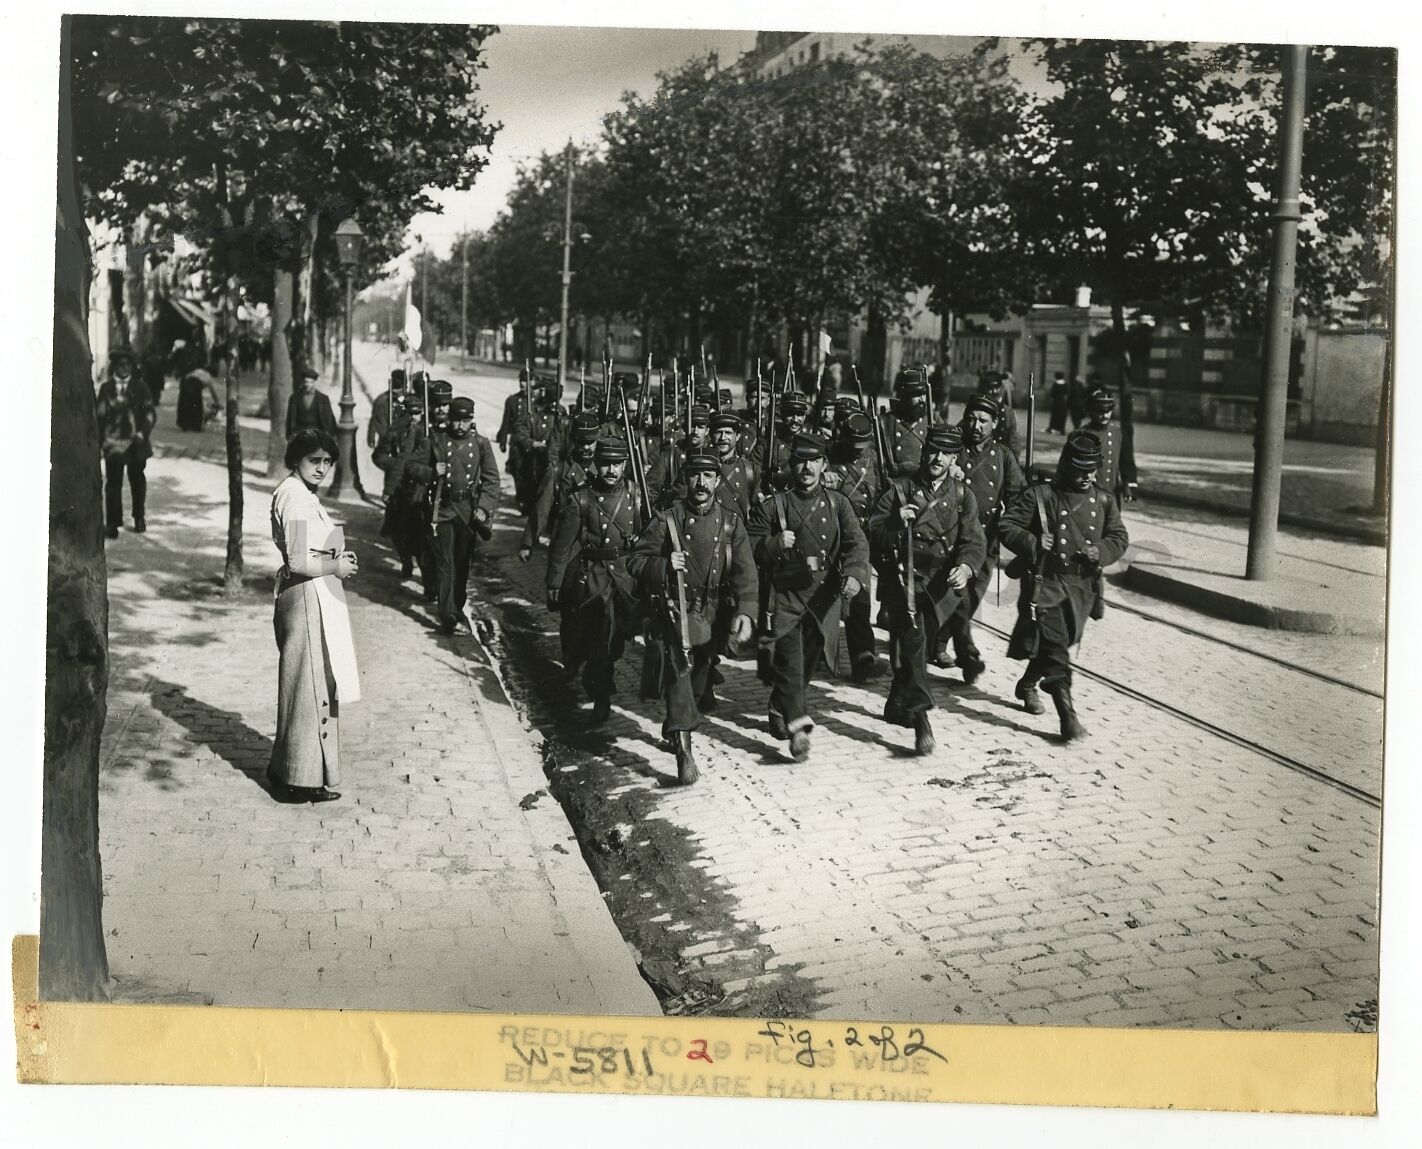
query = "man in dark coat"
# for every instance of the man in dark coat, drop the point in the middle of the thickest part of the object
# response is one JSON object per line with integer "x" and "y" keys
{"x": 588, "y": 582}
{"x": 514, "y": 402}
{"x": 940, "y": 515}
{"x": 461, "y": 466}
{"x": 853, "y": 471}
{"x": 1118, "y": 455}
{"x": 998, "y": 388}
{"x": 990, "y": 472}
{"x": 197, "y": 396}
{"x": 701, "y": 543}
{"x": 385, "y": 409}
{"x": 309, "y": 407}
{"x": 1076, "y": 401}
{"x": 664, "y": 475}
{"x": 406, "y": 522}
{"x": 906, "y": 423}
{"x": 561, "y": 480}
{"x": 814, "y": 555}
{"x": 126, "y": 416}
{"x": 1059, "y": 401}
{"x": 533, "y": 442}
{"x": 772, "y": 456}
{"x": 1063, "y": 532}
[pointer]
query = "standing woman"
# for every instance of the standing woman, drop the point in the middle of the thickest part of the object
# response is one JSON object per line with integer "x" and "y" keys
{"x": 313, "y": 629}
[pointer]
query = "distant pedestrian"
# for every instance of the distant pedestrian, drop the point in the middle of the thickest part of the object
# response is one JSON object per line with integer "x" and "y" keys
{"x": 1076, "y": 401}
{"x": 197, "y": 396}
{"x": 317, "y": 656}
{"x": 1060, "y": 400}
{"x": 126, "y": 417}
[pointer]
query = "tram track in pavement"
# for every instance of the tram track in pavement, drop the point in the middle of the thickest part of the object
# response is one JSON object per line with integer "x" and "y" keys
{"x": 1286, "y": 760}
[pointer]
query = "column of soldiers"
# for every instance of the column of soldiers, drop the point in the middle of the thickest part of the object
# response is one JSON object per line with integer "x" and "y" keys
{"x": 722, "y": 533}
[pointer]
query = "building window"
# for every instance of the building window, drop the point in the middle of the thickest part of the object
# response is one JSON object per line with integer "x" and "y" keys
{"x": 814, "y": 51}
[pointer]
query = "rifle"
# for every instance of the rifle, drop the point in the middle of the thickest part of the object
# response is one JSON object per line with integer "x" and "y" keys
{"x": 874, "y": 417}
{"x": 910, "y": 593}
{"x": 1031, "y": 423}
{"x": 768, "y": 471}
{"x": 643, "y": 396}
{"x": 438, "y": 495}
{"x": 527, "y": 389}
{"x": 716, "y": 385}
{"x": 606, "y": 384}
{"x": 684, "y": 633}
{"x": 639, "y": 467}
{"x": 582, "y": 389}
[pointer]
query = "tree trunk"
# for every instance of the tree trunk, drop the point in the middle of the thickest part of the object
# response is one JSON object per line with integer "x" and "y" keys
{"x": 137, "y": 289}
{"x": 279, "y": 379}
{"x": 1383, "y": 448}
{"x": 72, "y": 962}
{"x": 309, "y": 350}
{"x": 232, "y": 569}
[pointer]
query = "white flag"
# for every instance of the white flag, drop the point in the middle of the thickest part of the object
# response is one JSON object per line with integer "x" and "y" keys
{"x": 826, "y": 343}
{"x": 414, "y": 331}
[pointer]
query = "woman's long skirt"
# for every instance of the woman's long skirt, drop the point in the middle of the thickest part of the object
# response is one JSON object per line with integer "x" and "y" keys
{"x": 306, "y": 750}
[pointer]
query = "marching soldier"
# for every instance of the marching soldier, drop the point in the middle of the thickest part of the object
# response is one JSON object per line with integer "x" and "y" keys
{"x": 404, "y": 523}
{"x": 664, "y": 475}
{"x": 1118, "y": 457}
{"x": 588, "y": 582}
{"x": 561, "y": 480}
{"x": 1063, "y": 532}
{"x": 997, "y": 387}
{"x": 930, "y": 521}
{"x": 532, "y": 443}
{"x": 853, "y": 472}
{"x": 990, "y": 472}
{"x": 906, "y": 423}
{"x": 513, "y": 405}
{"x": 701, "y": 544}
{"x": 813, "y": 554}
{"x": 772, "y": 458}
{"x": 737, "y": 488}
{"x": 385, "y": 410}
{"x": 753, "y": 415}
{"x": 441, "y": 395}
{"x": 460, "y": 465}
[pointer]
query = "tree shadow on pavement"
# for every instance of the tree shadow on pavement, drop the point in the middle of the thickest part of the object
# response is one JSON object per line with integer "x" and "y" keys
{"x": 222, "y": 731}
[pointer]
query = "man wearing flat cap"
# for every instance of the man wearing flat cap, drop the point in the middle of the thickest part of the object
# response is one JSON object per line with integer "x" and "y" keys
{"x": 126, "y": 416}
{"x": 463, "y": 473}
{"x": 307, "y": 406}
{"x": 813, "y": 556}
{"x": 1063, "y": 532}
{"x": 933, "y": 518}
{"x": 906, "y": 423}
{"x": 588, "y": 582}
{"x": 996, "y": 386}
{"x": 991, "y": 472}
{"x": 702, "y": 544}
{"x": 562, "y": 479}
{"x": 853, "y": 472}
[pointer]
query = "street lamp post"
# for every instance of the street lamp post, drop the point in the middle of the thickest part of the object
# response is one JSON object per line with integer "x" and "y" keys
{"x": 567, "y": 268}
{"x": 348, "y": 240}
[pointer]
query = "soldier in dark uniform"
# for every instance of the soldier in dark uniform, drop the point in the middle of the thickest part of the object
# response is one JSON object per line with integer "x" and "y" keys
{"x": 385, "y": 410}
{"x": 813, "y": 553}
{"x": 1063, "y": 532}
{"x": 1077, "y": 392}
{"x": 772, "y": 457}
{"x": 460, "y": 466}
{"x": 853, "y": 471}
{"x": 906, "y": 423}
{"x": 513, "y": 404}
{"x": 948, "y": 548}
{"x": 706, "y": 541}
{"x": 405, "y": 523}
{"x": 532, "y": 443}
{"x": 560, "y": 481}
{"x": 991, "y": 472}
{"x": 995, "y": 387}
{"x": 737, "y": 488}
{"x": 664, "y": 475}
{"x": 753, "y": 415}
{"x": 588, "y": 582}
{"x": 1118, "y": 457}
{"x": 441, "y": 395}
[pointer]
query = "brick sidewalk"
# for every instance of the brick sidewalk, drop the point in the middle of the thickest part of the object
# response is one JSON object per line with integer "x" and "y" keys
{"x": 1155, "y": 874}
{"x": 446, "y": 878}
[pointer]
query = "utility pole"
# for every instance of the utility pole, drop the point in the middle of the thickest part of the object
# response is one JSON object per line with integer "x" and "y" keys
{"x": 1279, "y": 333}
{"x": 464, "y": 300}
{"x": 567, "y": 262}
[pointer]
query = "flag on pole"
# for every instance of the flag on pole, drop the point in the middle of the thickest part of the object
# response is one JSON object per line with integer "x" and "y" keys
{"x": 826, "y": 343}
{"x": 414, "y": 333}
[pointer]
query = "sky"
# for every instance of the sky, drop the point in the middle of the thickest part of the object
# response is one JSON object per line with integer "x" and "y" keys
{"x": 547, "y": 85}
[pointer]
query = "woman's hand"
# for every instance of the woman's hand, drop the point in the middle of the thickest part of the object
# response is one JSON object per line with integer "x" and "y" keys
{"x": 346, "y": 564}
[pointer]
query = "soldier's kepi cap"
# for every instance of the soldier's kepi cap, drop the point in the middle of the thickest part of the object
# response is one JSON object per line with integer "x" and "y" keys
{"x": 943, "y": 437}
{"x": 846, "y": 402}
{"x": 984, "y": 403}
{"x": 586, "y": 428}
{"x": 412, "y": 401}
{"x": 700, "y": 415}
{"x": 702, "y": 462}
{"x": 626, "y": 380}
{"x": 804, "y": 446}
{"x": 721, "y": 420}
{"x": 793, "y": 403}
{"x": 441, "y": 391}
{"x": 461, "y": 407}
{"x": 611, "y": 450}
{"x": 858, "y": 429}
{"x": 1100, "y": 397}
{"x": 1082, "y": 452}
{"x": 910, "y": 383}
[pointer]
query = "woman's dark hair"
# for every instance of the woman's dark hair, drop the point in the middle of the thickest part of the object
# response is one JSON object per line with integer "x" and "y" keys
{"x": 305, "y": 442}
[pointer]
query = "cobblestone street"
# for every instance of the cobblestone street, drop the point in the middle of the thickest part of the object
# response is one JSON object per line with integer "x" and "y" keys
{"x": 1179, "y": 867}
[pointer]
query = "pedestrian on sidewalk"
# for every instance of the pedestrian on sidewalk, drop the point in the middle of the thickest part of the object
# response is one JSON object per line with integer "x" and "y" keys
{"x": 933, "y": 517}
{"x": 1060, "y": 404}
{"x": 1063, "y": 532}
{"x": 197, "y": 394}
{"x": 317, "y": 670}
{"x": 126, "y": 417}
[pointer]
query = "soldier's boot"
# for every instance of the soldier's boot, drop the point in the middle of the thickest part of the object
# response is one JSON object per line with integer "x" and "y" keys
{"x": 778, "y": 729}
{"x": 708, "y": 700}
{"x": 923, "y": 740}
{"x": 941, "y": 656}
{"x": 866, "y": 667}
{"x": 800, "y": 745}
{"x": 407, "y": 567}
{"x": 602, "y": 709}
{"x": 1072, "y": 728}
{"x": 686, "y": 770}
{"x": 140, "y": 524}
{"x": 1026, "y": 692}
